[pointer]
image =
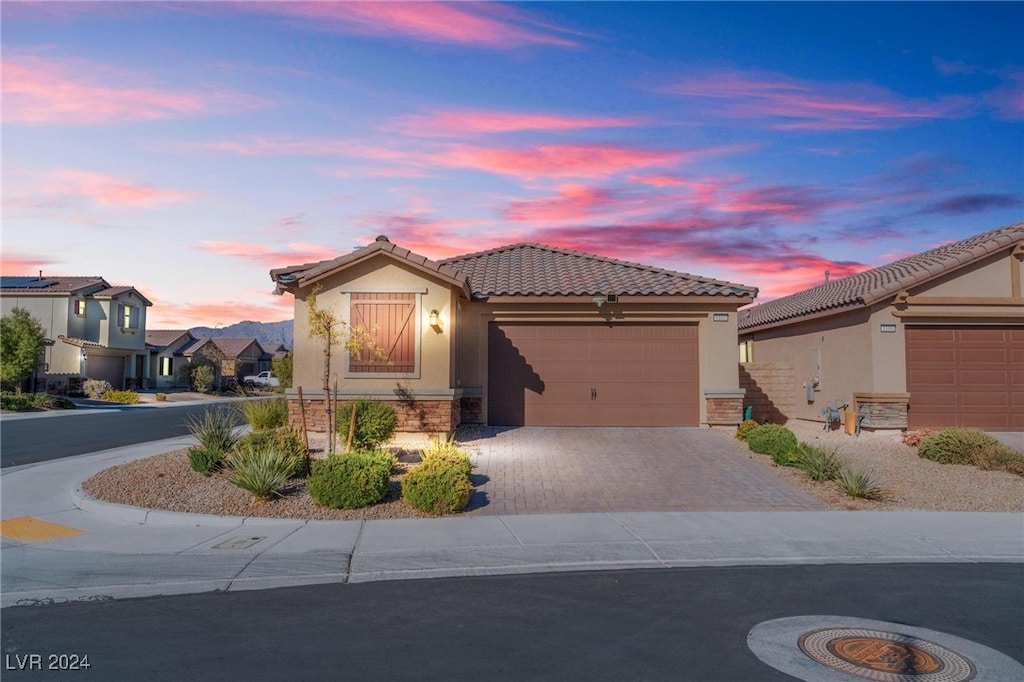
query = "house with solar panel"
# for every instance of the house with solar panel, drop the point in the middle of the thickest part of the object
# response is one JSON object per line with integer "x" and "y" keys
{"x": 93, "y": 330}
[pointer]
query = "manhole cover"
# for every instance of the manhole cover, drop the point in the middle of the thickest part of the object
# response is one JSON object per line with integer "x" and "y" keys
{"x": 238, "y": 543}
{"x": 885, "y": 656}
{"x": 844, "y": 649}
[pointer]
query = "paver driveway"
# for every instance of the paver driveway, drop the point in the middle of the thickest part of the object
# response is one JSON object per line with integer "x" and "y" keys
{"x": 542, "y": 470}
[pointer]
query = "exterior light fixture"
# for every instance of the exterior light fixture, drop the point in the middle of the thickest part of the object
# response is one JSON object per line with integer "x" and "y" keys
{"x": 435, "y": 319}
{"x": 85, "y": 355}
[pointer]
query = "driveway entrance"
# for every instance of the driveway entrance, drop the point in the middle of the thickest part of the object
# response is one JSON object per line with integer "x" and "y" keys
{"x": 545, "y": 470}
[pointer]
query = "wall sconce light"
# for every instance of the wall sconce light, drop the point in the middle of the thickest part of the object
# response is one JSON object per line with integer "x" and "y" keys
{"x": 85, "y": 355}
{"x": 435, "y": 320}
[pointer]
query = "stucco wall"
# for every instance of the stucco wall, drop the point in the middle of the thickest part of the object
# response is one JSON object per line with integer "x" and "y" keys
{"x": 52, "y": 313}
{"x": 379, "y": 274}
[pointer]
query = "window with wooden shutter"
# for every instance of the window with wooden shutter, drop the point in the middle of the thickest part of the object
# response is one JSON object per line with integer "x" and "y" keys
{"x": 389, "y": 320}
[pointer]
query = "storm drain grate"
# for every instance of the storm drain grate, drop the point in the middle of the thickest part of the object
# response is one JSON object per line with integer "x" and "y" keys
{"x": 239, "y": 543}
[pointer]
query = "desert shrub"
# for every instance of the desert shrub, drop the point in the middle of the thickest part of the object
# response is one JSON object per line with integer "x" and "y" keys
{"x": 955, "y": 446}
{"x": 288, "y": 442}
{"x": 15, "y": 402}
{"x": 349, "y": 481}
{"x": 1000, "y": 457}
{"x": 772, "y": 439}
{"x": 204, "y": 460}
{"x": 744, "y": 429}
{"x": 375, "y": 423}
{"x": 261, "y": 470}
{"x": 216, "y": 429}
{"x": 161, "y": 397}
{"x": 45, "y": 401}
{"x": 859, "y": 483}
{"x": 448, "y": 451}
{"x": 96, "y": 388}
{"x": 438, "y": 486}
{"x": 915, "y": 438}
{"x": 202, "y": 377}
{"x": 124, "y": 397}
{"x": 264, "y": 414}
{"x": 818, "y": 463}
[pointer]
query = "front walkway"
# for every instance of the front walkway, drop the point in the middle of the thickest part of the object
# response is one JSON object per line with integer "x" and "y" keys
{"x": 547, "y": 470}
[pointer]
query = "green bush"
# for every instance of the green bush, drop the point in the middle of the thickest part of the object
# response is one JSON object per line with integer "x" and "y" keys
{"x": 261, "y": 471}
{"x": 772, "y": 439}
{"x": 216, "y": 429}
{"x": 16, "y": 402}
{"x": 375, "y": 423}
{"x": 202, "y": 378}
{"x": 1000, "y": 457}
{"x": 819, "y": 464}
{"x": 448, "y": 451}
{"x": 204, "y": 460}
{"x": 288, "y": 442}
{"x": 263, "y": 414}
{"x": 438, "y": 486}
{"x": 349, "y": 481}
{"x": 744, "y": 429}
{"x": 955, "y": 446}
{"x": 124, "y": 397}
{"x": 859, "y": 483}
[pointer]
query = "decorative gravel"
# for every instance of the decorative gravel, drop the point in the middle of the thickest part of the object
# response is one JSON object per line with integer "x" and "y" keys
{"x": 911, "y": 482}
{"x": 168, "y": 482}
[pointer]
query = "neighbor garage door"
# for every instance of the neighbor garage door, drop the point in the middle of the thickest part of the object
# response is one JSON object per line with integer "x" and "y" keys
{"x": 961, "y": 376}
{"x": 592, "y": 375}
{"x": 107, "y": 368}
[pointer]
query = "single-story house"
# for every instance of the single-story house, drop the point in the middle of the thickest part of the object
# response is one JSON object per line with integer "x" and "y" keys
{"x": 524, "y": 334}
{"x": 233, "y": 358}
{"x": 93, "y": 330}
{"x": 167, "y": 357}
{"x": 932, "y": 340}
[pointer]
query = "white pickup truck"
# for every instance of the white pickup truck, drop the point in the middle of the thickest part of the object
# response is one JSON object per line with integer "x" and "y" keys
{"x": 265, "y": 379}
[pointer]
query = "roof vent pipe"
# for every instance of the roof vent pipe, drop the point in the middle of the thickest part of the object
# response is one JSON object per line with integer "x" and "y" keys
{"x": 826, "y": 276}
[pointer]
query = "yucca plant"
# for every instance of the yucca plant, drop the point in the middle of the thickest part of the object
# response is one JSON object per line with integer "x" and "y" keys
{"x": 263, "y": 414}
{"x": 819, "y": 464}
{"x": 261, "y": 471}
{"x": 215, "y": 431}
{"x": 859, "y": 483}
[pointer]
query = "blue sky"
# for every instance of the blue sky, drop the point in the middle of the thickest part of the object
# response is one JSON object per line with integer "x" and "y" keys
{"x": 187, "y": 148}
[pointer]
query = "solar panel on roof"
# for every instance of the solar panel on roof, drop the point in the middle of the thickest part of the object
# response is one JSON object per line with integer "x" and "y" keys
{"x": 25, "y": 283}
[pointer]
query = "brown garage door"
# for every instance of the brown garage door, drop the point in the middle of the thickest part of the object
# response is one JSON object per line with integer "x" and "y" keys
{"x": 592, "y": 375}
{"x": 107, "y": 368}
{"x": 961, "y": 376}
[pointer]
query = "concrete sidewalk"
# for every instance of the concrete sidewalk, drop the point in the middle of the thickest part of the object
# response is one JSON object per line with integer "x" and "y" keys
{"x": 97, "y": 550}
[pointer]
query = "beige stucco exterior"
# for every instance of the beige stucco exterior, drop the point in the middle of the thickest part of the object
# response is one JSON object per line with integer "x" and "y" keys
{"x": 849, "y": 353}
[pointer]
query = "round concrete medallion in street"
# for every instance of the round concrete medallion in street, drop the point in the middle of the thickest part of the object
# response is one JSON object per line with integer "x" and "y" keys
{"x": 838, "y": 649}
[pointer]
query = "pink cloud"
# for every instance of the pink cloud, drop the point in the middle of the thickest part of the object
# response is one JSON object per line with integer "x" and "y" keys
{"x": 466, "y": 123}
{"x": 18, "y": 263}
{"x": 656, "y": 180}
{"x": 296, "y": 252}
{"x": 806, "y": 105}
{"x": 107, "y": 190}
{"x": 40, "y": 92}
{"x": 474, "y": 24}
{"x": 171, "y": 314}
{"x": 564, "y": 160}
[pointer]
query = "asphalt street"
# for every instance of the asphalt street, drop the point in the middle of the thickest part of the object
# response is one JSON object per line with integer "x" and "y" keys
{"x": 45, "y": 436}
{"x": 678, "y": 624}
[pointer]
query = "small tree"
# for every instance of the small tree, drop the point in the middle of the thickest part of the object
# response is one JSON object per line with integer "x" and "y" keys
{"x": 202, "y": 377}
{"x": 325, "y": 325}
{"x": 283, "y": 370}
{"x": 21, "y": 341}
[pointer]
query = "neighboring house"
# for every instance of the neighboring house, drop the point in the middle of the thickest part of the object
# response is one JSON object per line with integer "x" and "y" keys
{"x": 525, "y": 334}
{"x": 98, "y": 331}
{"x": 932, "y": 340}
{"x": 233, "y": 358}
{"x": 167, "y": 357}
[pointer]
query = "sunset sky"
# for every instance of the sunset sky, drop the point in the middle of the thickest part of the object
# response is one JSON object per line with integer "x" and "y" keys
{"x": 188, "y": 148}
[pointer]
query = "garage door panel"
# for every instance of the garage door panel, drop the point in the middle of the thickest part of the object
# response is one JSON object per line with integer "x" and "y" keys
{"x": 643, "y": 374}
{"x": 965, "y": 376}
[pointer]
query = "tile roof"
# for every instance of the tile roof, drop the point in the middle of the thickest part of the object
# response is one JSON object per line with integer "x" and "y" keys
{"x": 235, "y": 347}
{"x": 309, "y": 273}
{"x": 162, "y": 338}
{"x": 875, "y": 284}
{"x": 527, "y": 269}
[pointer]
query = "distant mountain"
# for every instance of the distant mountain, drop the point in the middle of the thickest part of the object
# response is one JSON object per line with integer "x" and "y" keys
{"x": 269, "y": 334}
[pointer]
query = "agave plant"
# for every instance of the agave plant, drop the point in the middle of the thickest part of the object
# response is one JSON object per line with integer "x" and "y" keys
{"x": 215, "y": 431}
{"x": 261, "y": 471}
{"x": 859, "y": 483}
